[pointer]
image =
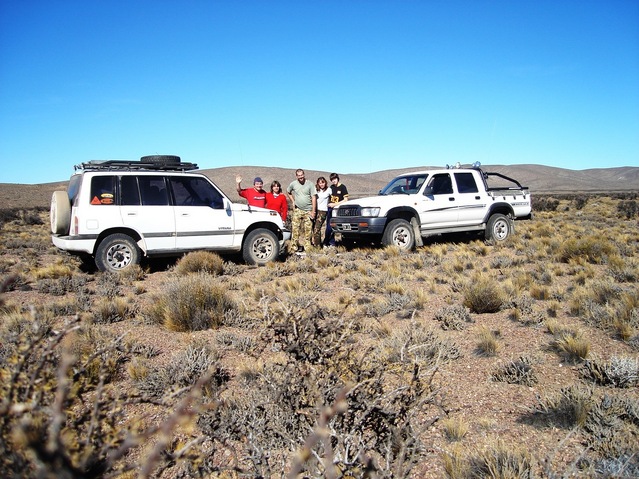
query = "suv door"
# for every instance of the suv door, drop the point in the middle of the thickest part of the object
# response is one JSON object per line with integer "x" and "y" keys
{"x": 145, "y": 207}
{"x": 201, "y": 220}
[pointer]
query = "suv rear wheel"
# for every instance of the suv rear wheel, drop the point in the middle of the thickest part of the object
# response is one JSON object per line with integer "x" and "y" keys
{"x": 117, "y": 252}
{"x": 60, "y": 213}
{"x": 260, "y": 247}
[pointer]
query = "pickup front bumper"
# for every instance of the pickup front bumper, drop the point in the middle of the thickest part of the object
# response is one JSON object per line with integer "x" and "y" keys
{"x": 358, "y": 225}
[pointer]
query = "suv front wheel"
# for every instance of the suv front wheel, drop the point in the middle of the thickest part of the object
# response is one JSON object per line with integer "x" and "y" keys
{"x": 260, "y": 247}
{"x": 117, "y": 252}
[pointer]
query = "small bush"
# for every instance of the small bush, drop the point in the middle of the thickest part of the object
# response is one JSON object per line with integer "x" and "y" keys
{"x": 191, "y": 303}
{"x": 568, "y": 408}
{"x": 483, "y": 295}
{"x": 619, "y": 372}
{"x": 517, "y": 372}
{"x": 628, "y": 209}
{"x": 455, "y": 429}
{"x": 593, "y": 249}
{"x": 488, "y": 344}
{"x": 502, "y": 461}
{"x": 455, "y": 317}
{"x": 200, "y": 262}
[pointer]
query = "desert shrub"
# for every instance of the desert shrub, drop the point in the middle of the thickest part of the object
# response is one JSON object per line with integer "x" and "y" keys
{"x": 567, "y": 408}
{"x": 455, "y": 317}
{"x": 191, "y": 303}
{"x": 488, "y": 342}
{"x": 183, "y": 370}
{"x": 543, "y": 203}
{"x": 328, "y": 409}
{"x": 519, "y": 371}
{"x": 572, "y": 345}
{"x": 483, "y": 295}
{"x": 111, "y": 310}
{"x": 502, "y": 461}
{"x": 455, "y": 429}
{"x": 524, "y": 311}
{"x": 628, "y": 209}
{"x": 591, "y": 248}
{"x": 59, "y": 418}
{"x": 63, "y": 285}
{"x": 620, "y": 372}
{"x": 200, "y": 262}
{"x": 623, "y": 270}
{"x": 579, "y": 202}
{"x": 53, "y": 271}
{"x": 417, "y": 344}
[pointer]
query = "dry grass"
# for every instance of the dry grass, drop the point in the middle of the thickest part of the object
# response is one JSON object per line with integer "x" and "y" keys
{"x": 401, "y": 364}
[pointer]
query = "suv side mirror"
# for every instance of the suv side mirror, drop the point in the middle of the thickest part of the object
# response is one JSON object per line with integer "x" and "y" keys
{"x": 428, "y": 191}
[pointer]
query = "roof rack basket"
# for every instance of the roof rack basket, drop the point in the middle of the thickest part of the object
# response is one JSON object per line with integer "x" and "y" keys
{"x": 131, "y": 165}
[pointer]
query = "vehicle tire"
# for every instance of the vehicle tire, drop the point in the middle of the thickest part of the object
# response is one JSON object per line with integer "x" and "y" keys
{"x": 260, "y": 247}
{"x": 161, "y": 159}
{"x": 117, "y": 252}
{"x": 498, "y": 228}
{"x": 60, "y": 213}
{"x": 399, "y": 233}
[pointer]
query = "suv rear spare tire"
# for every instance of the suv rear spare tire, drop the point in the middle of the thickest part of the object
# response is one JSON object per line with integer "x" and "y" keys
{"x": 161, "y": 159}
{"x": 60, "y": 213}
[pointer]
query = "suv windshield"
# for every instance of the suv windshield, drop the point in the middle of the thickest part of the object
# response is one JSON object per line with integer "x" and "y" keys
{"x": 409, "y": 185}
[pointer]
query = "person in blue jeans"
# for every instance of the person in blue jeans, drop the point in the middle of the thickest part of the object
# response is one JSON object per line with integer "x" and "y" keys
{"x": 339, "y": 194}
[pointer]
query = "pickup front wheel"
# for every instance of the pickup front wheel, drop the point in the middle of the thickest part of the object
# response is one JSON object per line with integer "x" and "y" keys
{"x": 498, "y": 228}
{"x": 399, "y": 233}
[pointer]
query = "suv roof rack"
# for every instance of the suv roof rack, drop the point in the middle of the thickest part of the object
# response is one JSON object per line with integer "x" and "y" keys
{"x": 131, "y": 165}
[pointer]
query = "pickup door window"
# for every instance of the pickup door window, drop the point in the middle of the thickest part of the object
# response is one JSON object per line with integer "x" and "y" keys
{"x": 471, "y": 204}
{"x": 438, "y": 207}
{"x": 201, "y": 220}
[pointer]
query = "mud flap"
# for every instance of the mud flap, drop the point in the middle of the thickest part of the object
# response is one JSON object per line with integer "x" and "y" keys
{"x": 418, "y": 235}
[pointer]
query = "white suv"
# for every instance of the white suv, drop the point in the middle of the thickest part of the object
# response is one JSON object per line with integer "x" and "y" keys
{"x": 116, "y": 211}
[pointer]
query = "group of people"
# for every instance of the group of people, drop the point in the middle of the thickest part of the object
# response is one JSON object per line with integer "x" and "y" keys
{"x": 312, "y": 207}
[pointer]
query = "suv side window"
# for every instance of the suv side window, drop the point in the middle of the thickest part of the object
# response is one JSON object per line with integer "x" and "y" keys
{"x": 466, "y": 183}
{"x": 153, "y": 190}
{"x": 191, "y": 191}
{"x": 129, "y": 192}
{"x": 103, "y": 190}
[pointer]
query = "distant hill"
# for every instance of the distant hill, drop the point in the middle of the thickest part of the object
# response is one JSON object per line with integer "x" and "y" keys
{"x": 540, "y": 179}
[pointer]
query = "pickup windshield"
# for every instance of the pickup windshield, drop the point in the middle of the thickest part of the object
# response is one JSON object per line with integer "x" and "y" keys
{"x": 407, "y": 185}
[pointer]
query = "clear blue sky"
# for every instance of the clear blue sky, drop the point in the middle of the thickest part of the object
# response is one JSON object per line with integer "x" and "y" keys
{"x": 346, "y": 86}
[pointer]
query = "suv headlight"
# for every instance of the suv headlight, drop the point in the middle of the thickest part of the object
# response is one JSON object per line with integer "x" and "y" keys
{"x": 370, "y": 211}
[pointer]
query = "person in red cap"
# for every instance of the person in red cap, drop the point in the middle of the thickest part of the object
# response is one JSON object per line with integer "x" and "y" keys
{"x": 255, "y": 196}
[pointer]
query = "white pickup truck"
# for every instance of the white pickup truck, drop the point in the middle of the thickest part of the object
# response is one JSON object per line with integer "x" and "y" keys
{"x": 431, "y": 202}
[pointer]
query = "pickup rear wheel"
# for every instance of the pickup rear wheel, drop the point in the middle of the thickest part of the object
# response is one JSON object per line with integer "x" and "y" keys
{"x": 260, "y": 247}
{"x": 498, "y": 228}
{"x": 399, "y": 233}
{"x": 117, "y": 252}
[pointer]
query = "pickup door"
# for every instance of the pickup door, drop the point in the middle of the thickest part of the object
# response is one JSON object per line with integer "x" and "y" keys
{"x": 471, "y": 203}
{"x": 452, "y": 199}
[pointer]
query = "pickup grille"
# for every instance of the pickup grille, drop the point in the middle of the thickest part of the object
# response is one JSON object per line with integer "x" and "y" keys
{"x": 348, "y": 211}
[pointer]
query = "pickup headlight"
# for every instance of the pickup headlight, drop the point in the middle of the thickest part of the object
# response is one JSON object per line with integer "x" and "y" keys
{"x": 370, "y": 211}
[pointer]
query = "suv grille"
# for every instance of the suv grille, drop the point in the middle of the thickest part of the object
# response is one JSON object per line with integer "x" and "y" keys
{"x": 348, "y": 211}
